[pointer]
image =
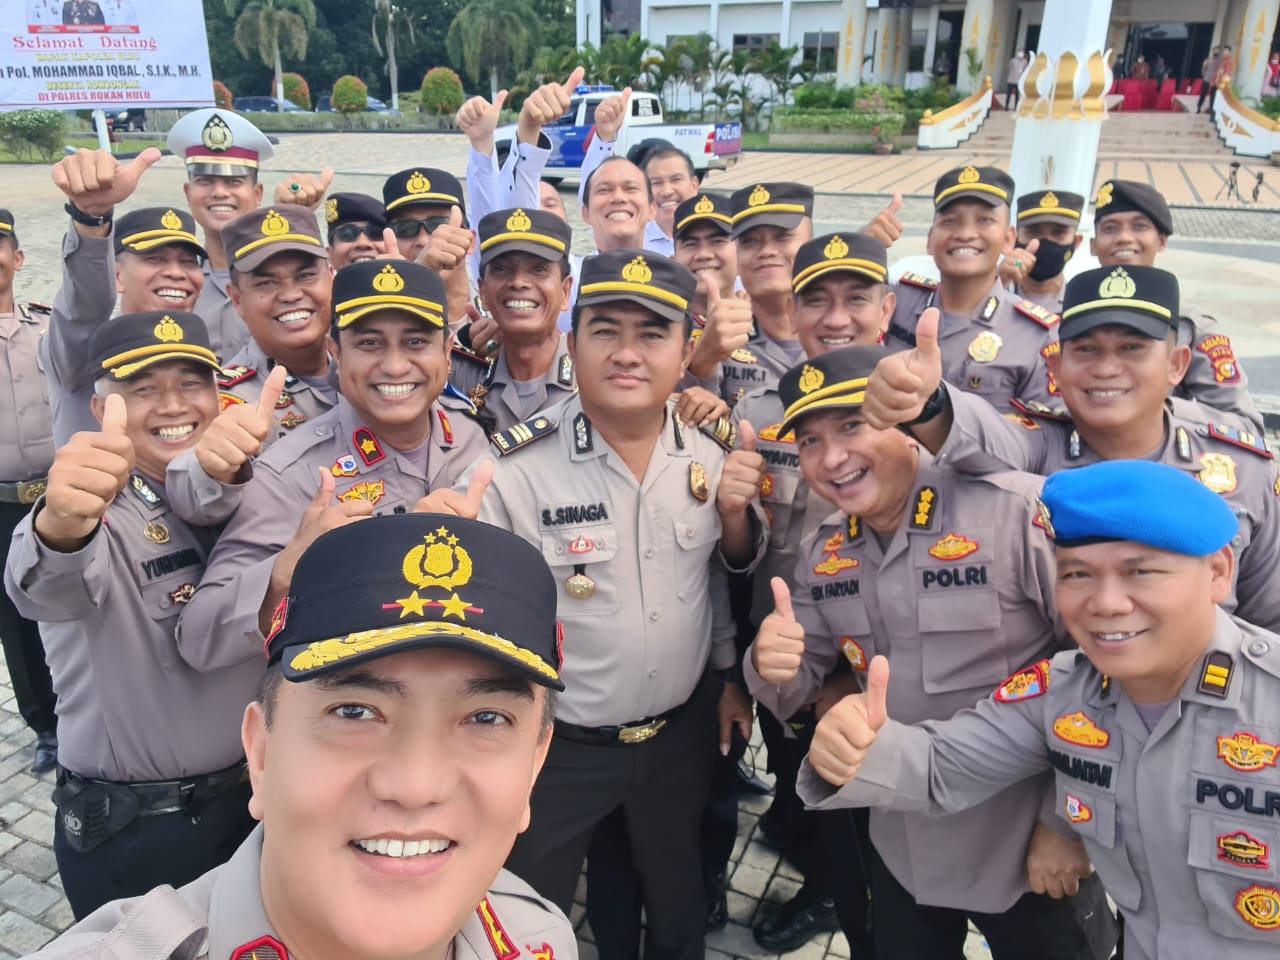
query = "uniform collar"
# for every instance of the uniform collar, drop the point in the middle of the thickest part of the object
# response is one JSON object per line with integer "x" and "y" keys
{"x": 560, "y": 364}
{"x": 585, "y": 443}
{"x": 236, "y": 914}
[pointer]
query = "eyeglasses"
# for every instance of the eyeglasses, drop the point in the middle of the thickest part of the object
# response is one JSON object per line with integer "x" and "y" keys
{"x": 409, "y": 229}
{"x": 351, "y": 232}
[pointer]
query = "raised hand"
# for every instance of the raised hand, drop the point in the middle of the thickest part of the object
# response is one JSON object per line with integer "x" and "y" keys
{"x": 311, "y": 189}
{"x": 545, "y": 105}
{"x": 449, "y": 245}
{"x": 742, "y": 474}
{"x": 779, "y": 645}
{"x": 903, "y": 382}
{"x": 457, "y": 504}
{"x": 1018, "y": 263}
{"x": 728, "y": 326}
{"x": 478, "y": 119}
{"x": 87, "y": 473}
{"x": 698, "y": 406}
{"x": 847, "y": 731}
{"x": 237, "y": 433}
{"x": 611, "y": 114}
{"x": 96, "y": 182}
{"x": 887, "y": 227}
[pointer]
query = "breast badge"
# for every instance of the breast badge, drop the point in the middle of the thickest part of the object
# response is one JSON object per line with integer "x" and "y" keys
{"x": 1078, "y": 729}
{"x": 856, "y": 656}
{"x": 1025, "y": 684}
{"x": 372, "y": 490}
{"x": 1243, "y": 850}
{"x": 580, "y": 586}
{"x": 1260, "y": 907}
{"x": 1217, "y": 472}
{"x": 156, "y": 532}
{"x": 986, "y": 346}
{"x": 953, "y": 547}
{"x": 183, "y": 594}
{"x": 698, "y": 484}
{"x": 743, "y": 355}
{"x": 345, "y": 466}
{"x": 1246, "y": 753}
{"x": 1077, "y": 810}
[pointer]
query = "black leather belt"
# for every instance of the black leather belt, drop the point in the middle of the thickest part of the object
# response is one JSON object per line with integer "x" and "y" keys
{"x": 23, "y": 491}
{"x": 625, "y": 734}
{"x": 156, "y": 797}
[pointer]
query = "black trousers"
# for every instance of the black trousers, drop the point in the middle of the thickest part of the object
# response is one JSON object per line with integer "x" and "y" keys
{"x": 173, "y": 848}
{"x": 20, "y": 637}
{"x": 1037, "y": 927}
{"x": 1011, "y": 90}
{"x": 658, "y": 788}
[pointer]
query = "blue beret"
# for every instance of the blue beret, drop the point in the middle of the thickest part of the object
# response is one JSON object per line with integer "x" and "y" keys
{"x": 1136, "y": 500}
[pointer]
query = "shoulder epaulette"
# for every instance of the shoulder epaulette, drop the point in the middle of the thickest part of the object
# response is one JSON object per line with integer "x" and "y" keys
{"x": 917, "y": 280}
{"x": 1041, "y": 315}
{"x": 230, "y": 376}
{"x": 1034, "y": 408}
{"x": 31, "y": 306}
{"x": 1241, "y": 438}
{"x": 470, "y": 356}
{"x": 722, "y": 432}
{"x": 523, "y": 434}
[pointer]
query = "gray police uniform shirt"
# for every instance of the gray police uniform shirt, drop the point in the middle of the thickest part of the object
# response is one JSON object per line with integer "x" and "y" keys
{"x": 489, "y": 385}
{"x": 244, "y": 375}
{"x": 1215, "y": 377}
{"x": 130, "y": 707}
{"x": 221, "y": 915}
{"x": 84, "y": 301}
{"x": 758, "y": 365}
{"x": 637, "y": 646}
{"x": 998, "y": 352}
{"x": 958, "y": 599}
{"x": 26, "y": 430}
{"x": 220, "y": 625}
{"x": 1181, "y": 822}
{"x": 227, "y": 333}
{"x": 1236, "y": 464}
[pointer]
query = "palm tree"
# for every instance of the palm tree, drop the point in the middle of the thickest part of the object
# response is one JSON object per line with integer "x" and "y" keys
{"x": 390, "y": 15}
{"x": 493, "y": 36}
{"x": 268, "y": 26}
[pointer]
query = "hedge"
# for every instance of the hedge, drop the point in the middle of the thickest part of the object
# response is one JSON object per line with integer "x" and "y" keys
{"x": 33, "y": 134}
{"x": 222, "y": 97}
{"x": 442, "y": 91}
{"x": 296, "y": 89}
{"x": 350, "y": 94}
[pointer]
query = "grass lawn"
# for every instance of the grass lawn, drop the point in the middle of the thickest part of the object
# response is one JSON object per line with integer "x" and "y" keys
{"x": 85, "y": 141}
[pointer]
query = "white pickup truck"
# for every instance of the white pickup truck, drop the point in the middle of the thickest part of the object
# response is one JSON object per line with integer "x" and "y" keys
{"x": 711, "y": 146}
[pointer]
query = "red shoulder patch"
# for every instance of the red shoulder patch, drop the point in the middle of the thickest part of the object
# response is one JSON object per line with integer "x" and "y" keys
{"x": 1046, "y": 318}
{"x": 230, "y": 376}
{"x": 1034, "y": 408}
{"x": 469, "y": 355}
{"x": 445, "y": 428}
{"x": 1218, "y": 349}
{"x": 1025, "y": 684}
{"x": 916, "y": 280}
{"x": 503, "y": 947}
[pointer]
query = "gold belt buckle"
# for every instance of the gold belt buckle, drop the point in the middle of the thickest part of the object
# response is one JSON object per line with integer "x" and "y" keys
{"x": 640, "y": 734}
{"x": 29, "y": 491}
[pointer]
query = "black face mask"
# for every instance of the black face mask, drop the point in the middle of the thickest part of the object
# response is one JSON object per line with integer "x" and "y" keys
{"x": 1051, "y": 259}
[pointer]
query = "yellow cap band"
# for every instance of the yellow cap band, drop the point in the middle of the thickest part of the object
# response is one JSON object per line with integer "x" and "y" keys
{"x": 622, "y": 286}
{"x": 278, "y": 238}
{"x": 1051, "y": 211}
{"x": 768, "y": 208}
{"x": 541, "y": 238}
{"x": 869, "y": 268}
{"x": 1146, "y": 306}
{"x": 971, "y": 188}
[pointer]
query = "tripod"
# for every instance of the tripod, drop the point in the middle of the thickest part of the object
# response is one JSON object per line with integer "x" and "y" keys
{"x": 1232, "y": 186}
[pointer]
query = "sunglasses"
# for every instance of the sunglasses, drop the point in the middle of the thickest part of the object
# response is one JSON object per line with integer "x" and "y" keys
{"x": 409, "y": 229}
{"x": 351, "y": 232}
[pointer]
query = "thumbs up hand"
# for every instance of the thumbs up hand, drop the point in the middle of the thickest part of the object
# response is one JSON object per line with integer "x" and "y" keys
{"x": 237, "y": 433}
{"x": 1017, "y": 263}
{"x": 96, "y": 182}
{"x": 847, "y": 731}
{"x": 86, "y": 475}
{"x": 742, "y": 474}
{"x": 448, "y": 245}
{"x": 903, "y": 382}
{"x": 728, "y": 322}
{"x": 447, "y": 501}
{"x": 545, "y": 105}
{"x": 779, "y": 646}
{"x": 886, "y": 227}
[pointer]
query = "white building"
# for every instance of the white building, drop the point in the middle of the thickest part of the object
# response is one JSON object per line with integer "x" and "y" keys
{"x": 901, "y": 41}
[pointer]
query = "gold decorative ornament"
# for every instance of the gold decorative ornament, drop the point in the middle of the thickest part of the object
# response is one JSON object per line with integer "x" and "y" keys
{"x": 273, "y": 224}
{"x": 969, "y": 175}
{"x": 1104, "y": 195}
{"x": 1050, "y": 200}
{"x": 1117, "y": 285}
{"x": 171, "y": 221}
{"x": 388, "y": 281}
{"x": 418, "y": 183}
{"x": 217, "y": 135}
{"x": 168, "y": 330}
{"x": 836, "y": 249}
{"x": 759, "y": 196}
{"x": 519, "y": 222}
{"x": 811, "y": 378}
{"x": 637, "y": 271}
{"x": 704, "y": 206}
{"x": 331, "y": 210}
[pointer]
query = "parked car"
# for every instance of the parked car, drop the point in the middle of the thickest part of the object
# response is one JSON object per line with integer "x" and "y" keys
{"x": 711, "y": 146}
{"x": 325, "y": 105}
{"x": 265, "y": 105}
{"x": 133, "y": 119}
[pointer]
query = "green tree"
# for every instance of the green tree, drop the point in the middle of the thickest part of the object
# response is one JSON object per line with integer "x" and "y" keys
{"x": 441, "y": 92}
{"x": 776, "y": 64}
{"x": 350, "y": 95}
{"x": 391, "y": 17}
{"x": 496, "y": 37}
{"x": 271, "y": 27}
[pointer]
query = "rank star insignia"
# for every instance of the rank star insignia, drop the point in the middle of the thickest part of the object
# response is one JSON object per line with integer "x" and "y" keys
{"x": 1260, "y": 907}
{"x": 156, "y": 532}
{"x": 367, "y": 446}
{"x": 1025, "y": 684}
{"x": 439, "y": 562}
{"x": 1077, "y": 810}
{"x": 767, "y": 485}
{"x": 1078, "y": 729}
{"x": 1246, "y": 753}
{"x": 856, "y": 656}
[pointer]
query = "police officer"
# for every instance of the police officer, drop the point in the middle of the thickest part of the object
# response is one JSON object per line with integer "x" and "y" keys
{"x": 993, "y": 343}
{"x": 704, "y": 244}
{"x": 26, "y": 443}
{"x": 1132, "y": 224}
{"x": 1120, "y": 357}
{"x": 223, "y": 153}
{"x": 524, "y": 285}
{"x": 384, "y": 774}
{"x": 949, "y": 577}
{"x": 1048, "y": 225}
{"x": 151, "y": 786}
{"x": 627, "y": 506}
{"x": 391, "y": 438}
{"x": 426, "y": 211}
{"x": 1160, "y": 730}
{"x": 355, "y": 225}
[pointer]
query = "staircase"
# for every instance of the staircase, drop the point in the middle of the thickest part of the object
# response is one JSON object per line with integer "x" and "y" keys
{"x": 1163, "y": 135}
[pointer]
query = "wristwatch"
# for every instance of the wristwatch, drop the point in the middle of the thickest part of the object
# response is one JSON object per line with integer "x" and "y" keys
{"x": 79, "y": 216}
{"x": 935, "y": 405}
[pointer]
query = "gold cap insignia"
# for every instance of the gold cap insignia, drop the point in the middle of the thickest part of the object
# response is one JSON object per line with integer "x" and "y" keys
{"x": 811, "y": 378}
{"x": 759, "y": 196}
{"x": 836, "y": 249}
{"x": 217, "y": 135}
{"x": 418, "y": 183}
{"x": 437, "y": 563}
{"x": 1104, "y": 195}
{"x": 637, "y": 271}
{"x": 171, "y": 221}
{"x": 519, "y": 222}
{"x": 273, "y": 224}
{"x": 388, "y": 281}
{"x": 1049, "y": 200}
{"x": 331, "y": 210}
{"x": 969, "y": 175}
{"x": 168, "y": 330}
{"x": 1118, "y": 285}
{"x": 704, "y": 205}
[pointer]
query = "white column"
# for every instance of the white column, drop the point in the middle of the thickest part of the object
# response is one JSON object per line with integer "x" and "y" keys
{"x": 784, "y": 39}
{"x": 886, "y": 41}
{"x": 977, "y": 24}
{"x": 1255, "y": 51}
{"x": 853, "y": 43}
{"x": 1055, "y": 140}
{"x": 902, "y": 49}
{"x": 581, "y": 20}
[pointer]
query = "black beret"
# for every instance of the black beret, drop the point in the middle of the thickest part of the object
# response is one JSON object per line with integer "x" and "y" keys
{"x": 1129, "y": 196}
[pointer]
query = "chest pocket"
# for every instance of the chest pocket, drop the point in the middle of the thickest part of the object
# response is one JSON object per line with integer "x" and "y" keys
{"x": 594, "y": 547}
{"x": 168, "y": 574}
{"x": 1091, "y": 813}
{"x": 961, "y": 643}
{"x": 697, "y": 531}
{"x": 778, "y": 493}
{"x": 994, "y": 381}
{"x": 1234, "y": 861}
